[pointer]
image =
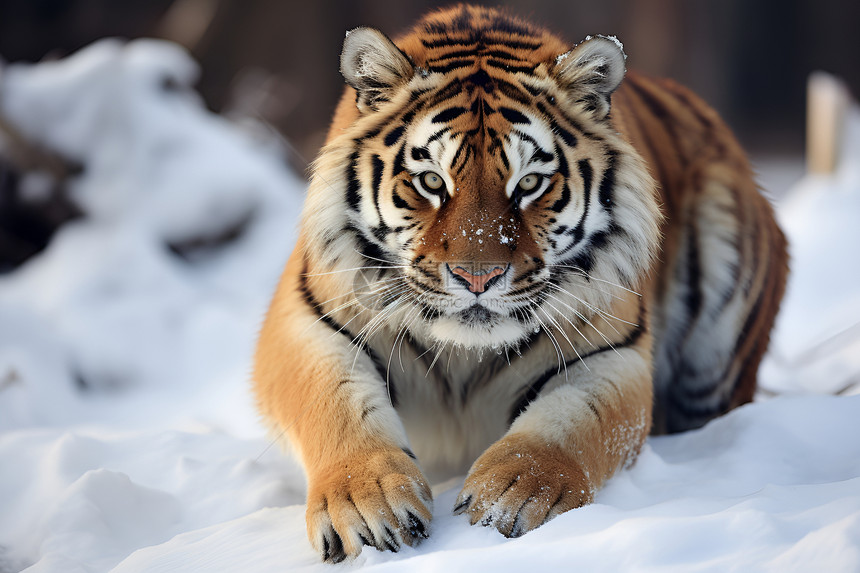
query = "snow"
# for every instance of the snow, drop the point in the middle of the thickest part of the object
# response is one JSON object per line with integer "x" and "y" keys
{"x": 816, "y": 347}
{"x": 128, "y": 436}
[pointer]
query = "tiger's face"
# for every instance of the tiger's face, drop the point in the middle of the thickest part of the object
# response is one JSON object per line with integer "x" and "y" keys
{"x": 488, "y": 204}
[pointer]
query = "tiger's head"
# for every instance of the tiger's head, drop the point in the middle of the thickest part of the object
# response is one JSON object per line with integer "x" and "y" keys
{"x": 475, "y": 188}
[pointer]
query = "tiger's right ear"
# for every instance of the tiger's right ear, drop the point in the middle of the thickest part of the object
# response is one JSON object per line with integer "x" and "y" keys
{"x": 374, "y": 66}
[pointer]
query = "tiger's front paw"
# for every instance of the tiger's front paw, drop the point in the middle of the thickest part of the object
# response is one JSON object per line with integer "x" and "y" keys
{"x": 520, "y": 483}
{"x": 375, "y": 498}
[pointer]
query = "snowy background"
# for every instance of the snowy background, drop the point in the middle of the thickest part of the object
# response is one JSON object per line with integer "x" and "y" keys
{"x": 128, "y": 437}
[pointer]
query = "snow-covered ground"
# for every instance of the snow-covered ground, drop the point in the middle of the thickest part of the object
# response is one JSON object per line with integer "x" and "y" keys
{"x": 128, "y": 438}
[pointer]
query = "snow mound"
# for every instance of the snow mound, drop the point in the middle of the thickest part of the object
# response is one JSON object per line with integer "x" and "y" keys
{"x": 816, "y": 344}
{"x": 128, "y": 302}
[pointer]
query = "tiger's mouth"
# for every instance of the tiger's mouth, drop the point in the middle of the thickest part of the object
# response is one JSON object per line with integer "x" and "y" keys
{"x": 471, "y": 309}
{"x": 476, "y": 326}
{"x": 479, "y": 315}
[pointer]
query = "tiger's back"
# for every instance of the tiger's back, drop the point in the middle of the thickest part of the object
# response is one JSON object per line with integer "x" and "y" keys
{"x": 724, "y": 263}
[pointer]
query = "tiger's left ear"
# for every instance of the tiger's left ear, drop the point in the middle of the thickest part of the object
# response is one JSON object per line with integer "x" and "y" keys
{"x": 373, "y": 66}
{"x": 592, "y": 71}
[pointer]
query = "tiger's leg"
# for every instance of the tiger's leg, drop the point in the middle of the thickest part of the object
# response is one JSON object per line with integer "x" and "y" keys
{"x": 722, "y": 293}
{"x": 566, "y": 443}
{"x": 363, "y": 486}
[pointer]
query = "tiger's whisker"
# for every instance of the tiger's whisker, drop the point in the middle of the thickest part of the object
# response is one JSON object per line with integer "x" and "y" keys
{"x": 592, "y": 307}
{"x": 552, "y": 338}
{"x": 589, "y": 276}
{"x": 570, "y": 322}
{"x": 326, "y": 273}
{"x": 564, "y": 334}
{"x": 583, "y": 317}
{"x": 366, "y": 256}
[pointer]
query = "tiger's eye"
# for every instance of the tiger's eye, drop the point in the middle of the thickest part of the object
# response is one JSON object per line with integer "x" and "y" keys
{"x": 432, "y": 181}
{"x": 529, "y": 182}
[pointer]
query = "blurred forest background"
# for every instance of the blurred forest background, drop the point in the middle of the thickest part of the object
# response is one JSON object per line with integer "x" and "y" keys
{"x": 277, "y": 60}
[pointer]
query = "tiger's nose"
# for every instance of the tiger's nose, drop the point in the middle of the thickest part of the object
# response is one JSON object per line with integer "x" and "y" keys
{"x": 479, "y": 281}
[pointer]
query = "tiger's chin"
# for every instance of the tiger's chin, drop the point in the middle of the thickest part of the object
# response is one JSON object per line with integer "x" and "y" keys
{"x": 477, "y": 327}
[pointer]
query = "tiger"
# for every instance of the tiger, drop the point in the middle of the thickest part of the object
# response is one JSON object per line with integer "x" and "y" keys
{"x": 516, "y": 259}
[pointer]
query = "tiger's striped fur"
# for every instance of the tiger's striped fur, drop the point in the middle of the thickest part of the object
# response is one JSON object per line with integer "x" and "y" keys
{"x": 507, "y": 253}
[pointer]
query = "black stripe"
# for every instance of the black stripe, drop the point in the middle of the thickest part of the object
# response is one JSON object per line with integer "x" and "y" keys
{"x": 561, "y": 113}
{"x": 446, "y": 93}
{"x": 696, "y": 110}
{"x": 566, "y": 136}
{"x": 503, "y": 54}
{"x": 470, "y": 52}
{"x": 472, "y": 39}
{"x": 403, "y": 228}
{"x": 469, "y": 152}
{"x": 310, "y": 300}
{"x": 481, "y": 79}
{"x": 591, "y": 407}
{"x": 353, "y": 198}
{"x": 394, "y": 136}
{"x": 419, "y": 153}
{"x": 662, "y": 113}
{"x": 448, "y": 115}
{"x": 504, "y": 157}
{"x": 378, "y": 166}
{"x": 542, "y": 156}
{"x": 427, "y": 288}
{"x": 455, "y": 65}
{"x": 529, "y": 69}
{"x": 533, "y": 90}
{"x": 737, "y": 245}
{"x": 475, "y": 51}
{"x": 599, "y": 239}
{"x": 583, "y": 260}
{"x": 370, "y": 134}
{"x": 400, "y": 203}
{"x": 463, "y": 143}
{"x": 527, "y": 275}
{"x": 562, "y": 201}
{"x": 563, "y": 167}
{"x": 520, "y": 44}
{"x": 438, "y": 135}
{"x": 586, "y": 173}
{"x": 399, "y": 167}
{"x": 654, "y": 105}
{"x": 368, "y": 410}
{"x": 514, "y": 116}
{"x": 752, "y": 317}
{"x": 694, "y": 298}
{"x": 513, "y": 91}
{"x": 381, "y": 231}
{"x": 526, "y": 137}
{"x": 366, "y": 247}
{"x": 607, "y": 184}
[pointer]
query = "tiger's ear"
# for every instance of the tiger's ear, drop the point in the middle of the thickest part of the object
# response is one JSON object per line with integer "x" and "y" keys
{"x": 373, "y": 65}
{"x": 592, "y": 71}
